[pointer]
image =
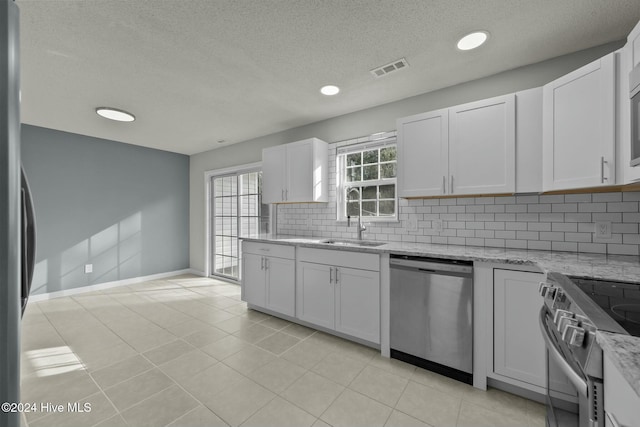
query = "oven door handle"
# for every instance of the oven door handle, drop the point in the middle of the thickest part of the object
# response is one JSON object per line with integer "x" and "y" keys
{"x": 578, "y": 382}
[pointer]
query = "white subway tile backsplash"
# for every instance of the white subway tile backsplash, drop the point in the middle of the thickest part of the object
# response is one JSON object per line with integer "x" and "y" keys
{"x": 545, "y": 222}
{"x": 607, "y": 197}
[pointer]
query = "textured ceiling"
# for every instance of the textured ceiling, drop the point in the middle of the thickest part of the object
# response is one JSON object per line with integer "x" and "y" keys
{"x": 198, "y": 71}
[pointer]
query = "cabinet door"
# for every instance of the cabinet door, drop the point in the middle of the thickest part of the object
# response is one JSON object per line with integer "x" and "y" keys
{"x": 274, "y": 162}
{"x": 299, "y": 172}
{"x": 281, "y": 285}
{"x": 315, "y": 294}
{"x": 579, "y": 128}
{"x": 423, "y": 154}
{"x": 253, "y": 280}
{"x": 518, "y": 347}
{"x": 358, "y": 303}
{"x": 482, "y": 147}
{"x": 621, "y": 402}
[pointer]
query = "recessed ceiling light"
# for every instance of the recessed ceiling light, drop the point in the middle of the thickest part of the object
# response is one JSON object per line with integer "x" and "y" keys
{"x": 329, "y": 90}
{"x": 473, "y": 40}
{"x": 115, "y": 114}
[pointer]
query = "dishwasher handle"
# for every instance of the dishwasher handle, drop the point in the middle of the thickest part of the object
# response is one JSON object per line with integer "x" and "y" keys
{"x": 431, "y": 266}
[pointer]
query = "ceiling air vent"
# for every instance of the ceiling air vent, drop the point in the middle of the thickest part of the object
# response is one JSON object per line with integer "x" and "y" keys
{"x": 390, "y": 68}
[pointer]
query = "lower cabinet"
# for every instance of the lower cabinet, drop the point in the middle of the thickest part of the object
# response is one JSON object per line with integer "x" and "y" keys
{"x": 268, "y": 277}
{"x": 337, "y": 297}
{"x": 621, "y": 402}
{"x": 518, "y": 347}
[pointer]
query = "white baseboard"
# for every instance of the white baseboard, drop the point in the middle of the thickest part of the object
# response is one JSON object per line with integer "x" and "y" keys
{"x": 108, "y": 285}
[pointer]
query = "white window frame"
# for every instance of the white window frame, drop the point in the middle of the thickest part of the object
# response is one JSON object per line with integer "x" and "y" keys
{"x": 342, "y": 185}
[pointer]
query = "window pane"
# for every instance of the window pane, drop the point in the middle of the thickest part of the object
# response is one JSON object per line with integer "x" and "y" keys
{"x": 353, "y": 208}
{"x": 369, "y": 209}
{"x": 354, "y": 174}
{"x": 388, "y": 170}
{"x": 370, "y": 156}
{"x": 354, "y": 159}
{"x": 387, "y": 154}
{"x": 370, "y": 172}
{"x": 388, "y": 191}
{"x": 387, "y": 207}
{"x": 370, "y": 192}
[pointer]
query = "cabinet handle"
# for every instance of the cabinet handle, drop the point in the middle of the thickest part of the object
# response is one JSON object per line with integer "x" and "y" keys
{"x": 444, "y": 183}
{"x": 451, "y": 186}
{"x": 261, "y": 263}
{"x": 602, "y": 163}
{"x": 286, "y": 194}
{"x": 337, "y": 277}
{"x": 282, "y": 195}
{"x": 330, "y": 275}
{"x": 266, "y": 263}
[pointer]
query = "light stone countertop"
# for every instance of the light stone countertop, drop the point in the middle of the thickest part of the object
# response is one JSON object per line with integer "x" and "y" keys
{"x": 624, "y": 350}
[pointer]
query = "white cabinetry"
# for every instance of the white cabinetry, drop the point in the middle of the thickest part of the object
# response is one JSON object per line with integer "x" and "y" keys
{"x": 340, "y": 290}
{"x": 423, "y": 154}
{"x": 518, "y": 348}
{"x": 268, "y": 276}
{"x": 621, "y": 402}
{"x": 467, "y": 149}
{"x": 579, "y": 127}
{"x": 296, "y": 172}
{"x": 629, "y": 57}
{"x": 482, "y": 146}
{"x": 529, "y": 141}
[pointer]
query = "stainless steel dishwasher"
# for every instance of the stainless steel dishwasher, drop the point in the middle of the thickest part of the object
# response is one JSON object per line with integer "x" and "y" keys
{"x": 432, "y": 314}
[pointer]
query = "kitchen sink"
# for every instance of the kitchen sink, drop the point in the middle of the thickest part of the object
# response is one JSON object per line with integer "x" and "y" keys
{"x": 367, "y": 243}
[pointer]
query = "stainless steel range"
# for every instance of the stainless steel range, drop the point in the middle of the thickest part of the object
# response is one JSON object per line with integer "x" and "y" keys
{"x": 574, "y": 309}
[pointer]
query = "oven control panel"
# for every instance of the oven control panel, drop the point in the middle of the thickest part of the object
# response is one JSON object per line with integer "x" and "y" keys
{"x": 571, "y": 327}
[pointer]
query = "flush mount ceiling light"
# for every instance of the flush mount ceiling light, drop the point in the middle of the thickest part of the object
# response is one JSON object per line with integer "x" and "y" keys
{"x": 473, "y": 40}
{"x": 115, "y": 114}
{"x": 329, "y": 90}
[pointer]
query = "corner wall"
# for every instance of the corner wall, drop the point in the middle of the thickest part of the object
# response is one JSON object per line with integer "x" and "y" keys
{"x": 367, "y": 122}
{"x": 120, "y": 207}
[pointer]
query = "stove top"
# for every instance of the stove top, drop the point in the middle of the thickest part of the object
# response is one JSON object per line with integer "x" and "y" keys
{"x": 620, "y": 300}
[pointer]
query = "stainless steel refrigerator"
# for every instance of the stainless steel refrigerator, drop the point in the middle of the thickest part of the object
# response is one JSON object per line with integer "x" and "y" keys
{"x": 16, "y": 215}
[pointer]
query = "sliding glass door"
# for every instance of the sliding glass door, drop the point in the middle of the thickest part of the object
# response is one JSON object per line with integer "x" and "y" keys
{"x": 237, "y": 211}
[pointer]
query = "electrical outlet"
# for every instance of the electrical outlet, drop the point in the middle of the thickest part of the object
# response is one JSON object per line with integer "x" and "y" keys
{"x": 412, "y": 224}
{"x": 437, "y": 225}
{"x": 603, "y": 230}
{"x": 88, "y": 268}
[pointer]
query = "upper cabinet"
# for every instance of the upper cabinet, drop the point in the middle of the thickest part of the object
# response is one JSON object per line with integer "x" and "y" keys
{"x": 579, "y": 127}
{"x": 482, "y": 146}
{"x": 423, "y": 154}
{"x": 629, "y": 58}
{"x": 296, "y": 172}
{"x": 467, "y": 149}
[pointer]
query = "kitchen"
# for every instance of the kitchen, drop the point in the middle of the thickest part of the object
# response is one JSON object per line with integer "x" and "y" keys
{"x": 487, "y": 226}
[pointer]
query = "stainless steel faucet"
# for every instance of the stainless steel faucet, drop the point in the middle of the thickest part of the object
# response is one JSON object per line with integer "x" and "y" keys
{"x": 361, "y": 226}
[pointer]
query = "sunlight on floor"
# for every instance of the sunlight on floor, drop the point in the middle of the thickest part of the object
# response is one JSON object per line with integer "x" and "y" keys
{"x": 54, "y": 361}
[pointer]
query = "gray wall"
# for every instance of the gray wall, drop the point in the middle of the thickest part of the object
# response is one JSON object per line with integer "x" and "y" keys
{"x": 120, "y": 207}
{"x": 366, "y": 122}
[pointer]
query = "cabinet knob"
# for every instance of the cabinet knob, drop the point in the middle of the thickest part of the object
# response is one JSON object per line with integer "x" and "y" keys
{"x": 573, "y": 335}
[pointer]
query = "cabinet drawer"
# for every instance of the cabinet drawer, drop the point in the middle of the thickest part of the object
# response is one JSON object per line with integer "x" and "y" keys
{"x": 269, "y": 249}
{"x": 359, "y": 260}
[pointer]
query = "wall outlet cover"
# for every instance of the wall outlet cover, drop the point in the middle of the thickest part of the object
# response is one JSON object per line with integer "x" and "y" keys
{"x": 603, "y": 230}
{"x": 88, "y": 268}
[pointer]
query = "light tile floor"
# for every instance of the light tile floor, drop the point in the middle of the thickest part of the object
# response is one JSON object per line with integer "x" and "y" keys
{"x": 186, "y": 352}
